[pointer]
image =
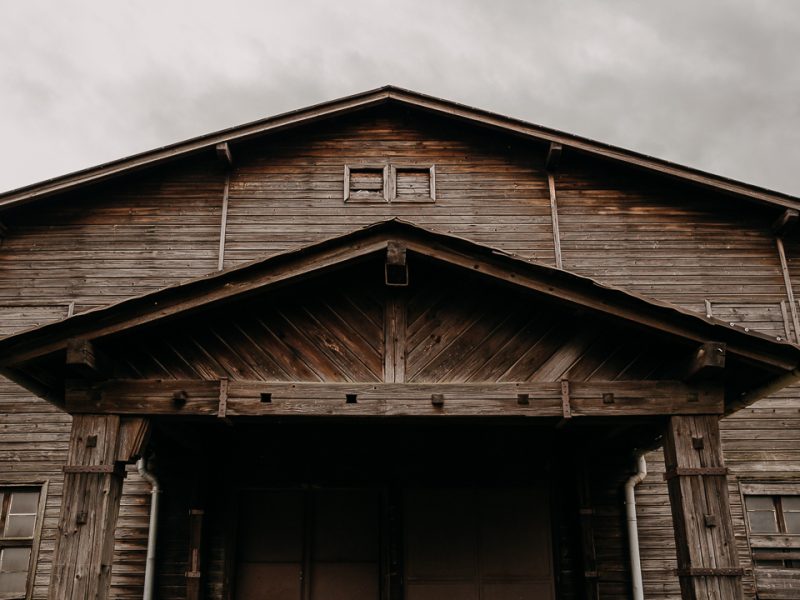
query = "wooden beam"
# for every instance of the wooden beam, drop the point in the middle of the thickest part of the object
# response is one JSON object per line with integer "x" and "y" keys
{"x": 786, "y": 223}
{"x": 224, "y": 153}
{"x": 92, "y": 487}
{"x": 707, "y": 362}
{"x": 787, "y": 282}
{"x": 84, "y": 360}
{"x": 223, "y": 225}
{"x": 134, "y": 432}
{"x": 396, "y": 271}
{"x": 553, "y": 158}
{"x": 631, "y": 398}
{"x": 708, "y": 565}
{"x": 551, "y": 184}
{"x": 394, "y": 335}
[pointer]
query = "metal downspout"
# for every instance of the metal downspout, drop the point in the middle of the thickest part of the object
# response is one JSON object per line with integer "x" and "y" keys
{"x": 633, "y": 528}
{"x": 152, "y": 532}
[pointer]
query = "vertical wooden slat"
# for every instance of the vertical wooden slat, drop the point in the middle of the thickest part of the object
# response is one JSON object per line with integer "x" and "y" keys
{"x": 551, "y": 183}
{"x": 223, "y": 223}
{"x": 586, "y": 519}
{"x": 787, "y": 281}
{"x": 85, "y": 542}
{"x": 705, "y": 543}
{"x": 394, "y": 358}
{"x": 195, "y": 572}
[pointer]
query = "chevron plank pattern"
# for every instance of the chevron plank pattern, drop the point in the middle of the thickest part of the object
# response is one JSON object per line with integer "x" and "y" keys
{"x": 332, "y": 329}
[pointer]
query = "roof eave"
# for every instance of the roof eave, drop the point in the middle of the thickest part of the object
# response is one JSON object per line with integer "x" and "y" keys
{"x": 377, "y": 96}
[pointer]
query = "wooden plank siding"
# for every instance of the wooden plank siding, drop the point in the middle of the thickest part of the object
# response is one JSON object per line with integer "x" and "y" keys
{"x": 148, "y": 230}
{"x": 287, "y": 191}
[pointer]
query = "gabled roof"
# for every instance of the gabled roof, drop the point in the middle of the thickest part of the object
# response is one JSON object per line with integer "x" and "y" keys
{"x": 776, "y": 361}
{"x": 383, "y": 95}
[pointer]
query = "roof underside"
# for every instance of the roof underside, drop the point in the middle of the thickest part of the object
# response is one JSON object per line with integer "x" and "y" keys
{"x": 391, "y": 94}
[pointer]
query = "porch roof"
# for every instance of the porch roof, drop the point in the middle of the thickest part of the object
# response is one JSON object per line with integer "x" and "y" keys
{"x": 776, "y": 361}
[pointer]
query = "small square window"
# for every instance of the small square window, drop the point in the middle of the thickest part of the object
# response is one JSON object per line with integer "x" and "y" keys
{"x": 366, "y": 184}
{"x": 413, "y": 183}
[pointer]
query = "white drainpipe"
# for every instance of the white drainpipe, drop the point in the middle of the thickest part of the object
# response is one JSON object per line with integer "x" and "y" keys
{"x": 150, "y": 564}
{"x": 633, "y": 528}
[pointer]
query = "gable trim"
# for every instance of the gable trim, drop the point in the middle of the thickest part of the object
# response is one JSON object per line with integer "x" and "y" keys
{"x": 382, "y": 95}
{"x": 239, "y": 282}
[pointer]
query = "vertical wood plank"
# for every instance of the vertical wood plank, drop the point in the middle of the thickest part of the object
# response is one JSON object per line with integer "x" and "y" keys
{"x": 787, "y": 281}
{"x": 394, "y": 357}
{"x": 85, "y": 542}
{"x": 586, "y": 519}
{"x": 223, "y": 223}
{"x": 704, "y": 537}
{"x": 551, "y": 184}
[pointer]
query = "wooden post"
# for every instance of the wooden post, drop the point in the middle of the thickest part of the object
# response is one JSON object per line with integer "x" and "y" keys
{"x": 708, "y": 566}
{"x": 591, "y": 576}
{"x": 92, "y": 487}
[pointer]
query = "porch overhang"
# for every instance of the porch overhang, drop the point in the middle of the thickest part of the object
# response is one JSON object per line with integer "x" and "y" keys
{"x": 712, "y": 367}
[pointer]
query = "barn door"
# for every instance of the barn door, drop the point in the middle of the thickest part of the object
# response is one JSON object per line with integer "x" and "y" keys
{"x": 477, "y": 544}
{"x": 309, "y": 545}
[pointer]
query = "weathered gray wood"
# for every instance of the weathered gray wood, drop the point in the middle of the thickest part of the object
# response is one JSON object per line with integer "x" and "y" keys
{"x": 223, "y": 224}
{"x": 553, "y": 157}
{"x": 787, "y": 280}
{"x": 551, "y": 184}
{"x": 706, "y": 362}
{"x": 786, "y": 223}
{"x": 224, "y": 153}
{"x": 85, "y": 544}
{"x": 708, "y": 563}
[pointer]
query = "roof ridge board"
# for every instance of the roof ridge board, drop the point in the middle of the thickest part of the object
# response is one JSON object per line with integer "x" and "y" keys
{"x": 379, "y": 95}
{"x": 233, "y": 276}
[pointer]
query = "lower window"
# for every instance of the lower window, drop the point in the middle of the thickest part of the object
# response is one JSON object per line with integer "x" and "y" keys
{"x": 773, "y": 522}
{"x": 20, "y": 515}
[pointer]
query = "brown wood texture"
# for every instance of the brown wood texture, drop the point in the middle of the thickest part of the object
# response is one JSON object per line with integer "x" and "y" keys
{"x": 643, "y": 233}
{"x": 701, "y": 514}
{"x": 84, "y": 548}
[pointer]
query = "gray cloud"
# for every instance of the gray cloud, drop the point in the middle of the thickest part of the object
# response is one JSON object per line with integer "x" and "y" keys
{"x": 711, "y": 84}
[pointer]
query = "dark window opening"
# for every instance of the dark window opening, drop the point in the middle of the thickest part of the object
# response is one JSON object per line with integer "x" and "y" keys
{"x": 19, "y": 513}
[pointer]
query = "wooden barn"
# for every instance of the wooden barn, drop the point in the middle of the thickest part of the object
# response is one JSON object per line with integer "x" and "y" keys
{"x": 393, "y": 347}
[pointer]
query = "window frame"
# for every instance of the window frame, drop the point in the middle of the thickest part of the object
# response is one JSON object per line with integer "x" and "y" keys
{"x": 377, "y": 197}
{"x": 416, "y": 167}
{"x": 32, "y": 542}
{"x": 779, "y": 541}
{"x": 389, "y": 195}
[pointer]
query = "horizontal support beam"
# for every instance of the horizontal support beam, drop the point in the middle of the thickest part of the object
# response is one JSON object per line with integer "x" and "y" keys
{"x": 224, "y": 153}
{"x": 259, "y": 398}
{"x": 553, "y": 157}
{"x": 706, "y": 362}
{"x": 786, "y": 223}
{"x": 85, "y": 360}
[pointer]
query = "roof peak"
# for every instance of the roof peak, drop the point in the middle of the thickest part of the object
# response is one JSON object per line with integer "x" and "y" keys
{"x": 374, "y": 97}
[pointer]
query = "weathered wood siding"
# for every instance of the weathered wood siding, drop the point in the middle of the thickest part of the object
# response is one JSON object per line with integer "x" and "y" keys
{"x": 148, "y": 230}
{"x": 287, "y": 190}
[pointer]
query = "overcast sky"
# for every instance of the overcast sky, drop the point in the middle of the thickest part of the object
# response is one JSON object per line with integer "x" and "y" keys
{"x": 711, "y": 84}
